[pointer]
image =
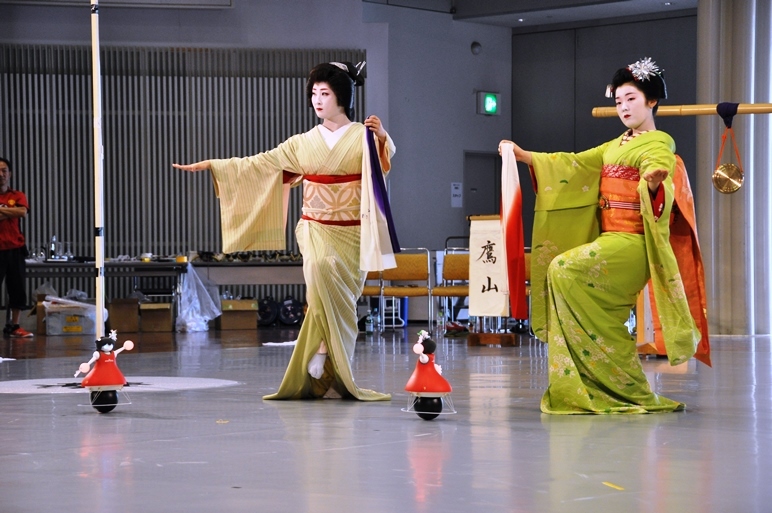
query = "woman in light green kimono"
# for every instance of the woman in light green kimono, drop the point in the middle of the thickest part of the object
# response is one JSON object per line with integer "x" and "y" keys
{"x": 600, "y": 233}
{"x": 328, "y": 160}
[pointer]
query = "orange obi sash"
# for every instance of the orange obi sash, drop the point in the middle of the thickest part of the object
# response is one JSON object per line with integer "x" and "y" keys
{"x": 620, "y": 203}
{"x": 332, "y": 199}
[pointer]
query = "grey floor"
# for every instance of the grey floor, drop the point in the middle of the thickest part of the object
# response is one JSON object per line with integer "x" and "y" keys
{"x": 215, "y": 446}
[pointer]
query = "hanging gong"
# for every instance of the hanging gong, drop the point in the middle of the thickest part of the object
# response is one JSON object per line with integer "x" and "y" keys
{"x": 728, "y": 178}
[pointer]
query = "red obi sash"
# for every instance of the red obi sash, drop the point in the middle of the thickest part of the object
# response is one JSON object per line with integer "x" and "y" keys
{"x": 620, "y": 203}
{"x": 331, "y": 180}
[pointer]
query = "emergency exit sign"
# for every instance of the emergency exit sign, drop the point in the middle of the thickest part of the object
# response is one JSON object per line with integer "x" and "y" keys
{"x": 488, "y": 103}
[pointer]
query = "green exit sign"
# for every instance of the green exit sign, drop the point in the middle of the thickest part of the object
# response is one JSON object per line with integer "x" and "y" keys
{"x": 488, "y": 103}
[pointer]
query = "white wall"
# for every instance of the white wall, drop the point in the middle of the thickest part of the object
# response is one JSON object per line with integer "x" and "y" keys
{"x": 421, "y": 77}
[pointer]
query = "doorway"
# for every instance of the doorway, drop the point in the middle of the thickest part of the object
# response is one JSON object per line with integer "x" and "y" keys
{"x": 482, "y": 189}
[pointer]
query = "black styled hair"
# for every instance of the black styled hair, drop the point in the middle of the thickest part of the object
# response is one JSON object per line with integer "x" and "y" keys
{"x": 7, "y": 163}
{"x": 103, "y": 342}
{"x": 342, "y": 77}
{"x": 653, "y": 87}
{"x": 429, "y": 346}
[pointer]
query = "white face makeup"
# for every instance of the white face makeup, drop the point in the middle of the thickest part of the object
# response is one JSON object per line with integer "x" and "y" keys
{"x": 324, "y": 101}
{"x": 633, "y": 108}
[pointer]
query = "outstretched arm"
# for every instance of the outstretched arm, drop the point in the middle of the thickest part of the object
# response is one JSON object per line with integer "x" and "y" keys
{"x": 654, "y": 178}
{"x": 198, "y": 166}
{"x": 86, "y": 366}
{"x": 127, "y": 346}
{"x": 521, "y": 155}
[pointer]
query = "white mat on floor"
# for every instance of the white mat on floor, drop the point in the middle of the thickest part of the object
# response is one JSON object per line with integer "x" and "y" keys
{"x": 136, "y": 384}
{"x": 291, "y": 343}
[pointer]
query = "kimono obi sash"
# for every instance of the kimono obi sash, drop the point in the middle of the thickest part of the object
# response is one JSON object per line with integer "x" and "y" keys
{"x": 332, "y": 199}
{"x": 620, "y": 203}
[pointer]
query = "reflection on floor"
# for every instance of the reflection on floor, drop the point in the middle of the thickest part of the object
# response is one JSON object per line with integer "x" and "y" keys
{"x": 223, "y": 448}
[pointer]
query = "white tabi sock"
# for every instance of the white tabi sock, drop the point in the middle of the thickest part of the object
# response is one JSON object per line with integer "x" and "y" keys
{"x": 316, "y": 365}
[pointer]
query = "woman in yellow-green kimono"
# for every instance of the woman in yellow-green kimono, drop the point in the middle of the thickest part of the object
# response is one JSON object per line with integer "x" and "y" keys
{"x": 332, "y": 161}
{"x": 601, "y": 232}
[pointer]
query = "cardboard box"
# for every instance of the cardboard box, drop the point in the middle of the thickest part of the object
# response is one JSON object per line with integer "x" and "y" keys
{"x": 156, "y": 316}
{"x": 123, "y": 315}
{"x": 70, "y": 320}
{"x": 28, "y": 321}
{"x": 238, "y": 314}
{"x": 56, "y": 318}
{"x": 40, "y": 312}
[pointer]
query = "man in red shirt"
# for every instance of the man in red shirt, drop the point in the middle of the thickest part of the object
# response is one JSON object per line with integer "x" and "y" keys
{"x": 13, "y": 249}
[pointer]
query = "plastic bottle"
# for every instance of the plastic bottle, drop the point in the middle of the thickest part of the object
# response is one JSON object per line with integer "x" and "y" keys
{"x": 369, "y": 323}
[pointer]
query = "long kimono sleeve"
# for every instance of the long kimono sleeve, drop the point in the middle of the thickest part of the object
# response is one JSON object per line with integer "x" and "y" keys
{"x": 686, "y": 247}
{"x": 251, "y": 199}
{"x": 679, "y": 329}
{"x": 378, "y": 239}
{"x": 567, "y": 188}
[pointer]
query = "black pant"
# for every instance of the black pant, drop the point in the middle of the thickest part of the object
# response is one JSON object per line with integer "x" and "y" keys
{"x": 13, "y": 270}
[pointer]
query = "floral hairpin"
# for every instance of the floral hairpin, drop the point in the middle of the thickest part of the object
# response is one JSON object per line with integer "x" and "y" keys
{"x": 644, "y": 69}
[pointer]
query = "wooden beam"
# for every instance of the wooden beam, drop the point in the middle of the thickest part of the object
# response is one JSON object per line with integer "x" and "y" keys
{"x": 690, "y": 110}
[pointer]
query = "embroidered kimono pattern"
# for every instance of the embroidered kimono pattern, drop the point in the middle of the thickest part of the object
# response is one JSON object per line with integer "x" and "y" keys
{"x": 585, "y": 283}
{"x": 252, "y": 211}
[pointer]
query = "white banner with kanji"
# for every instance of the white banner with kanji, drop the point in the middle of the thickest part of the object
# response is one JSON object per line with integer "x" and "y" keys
{"x": 488, "y": 286}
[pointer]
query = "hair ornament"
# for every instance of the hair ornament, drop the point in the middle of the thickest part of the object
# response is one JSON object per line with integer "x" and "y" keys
{"x": 644, "y": 69}
{"x": 609, "y": 91}
{"x": 113, "y": 335}
{"x": 354, "y": 72}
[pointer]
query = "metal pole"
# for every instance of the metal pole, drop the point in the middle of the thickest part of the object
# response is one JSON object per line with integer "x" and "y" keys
{"x": 98, "y": 172}
{"x": 690, "y": 110}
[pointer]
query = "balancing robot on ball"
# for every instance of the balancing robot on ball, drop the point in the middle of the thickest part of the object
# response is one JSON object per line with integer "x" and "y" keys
{"x": 429, "y": 391}
{"x": 105, "y": 379}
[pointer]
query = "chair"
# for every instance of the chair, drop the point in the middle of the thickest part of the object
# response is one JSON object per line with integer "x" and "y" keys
{"x": 373, "y": 290}
{"x": 455, "y": 278}
{"x": 413, "y": 265}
